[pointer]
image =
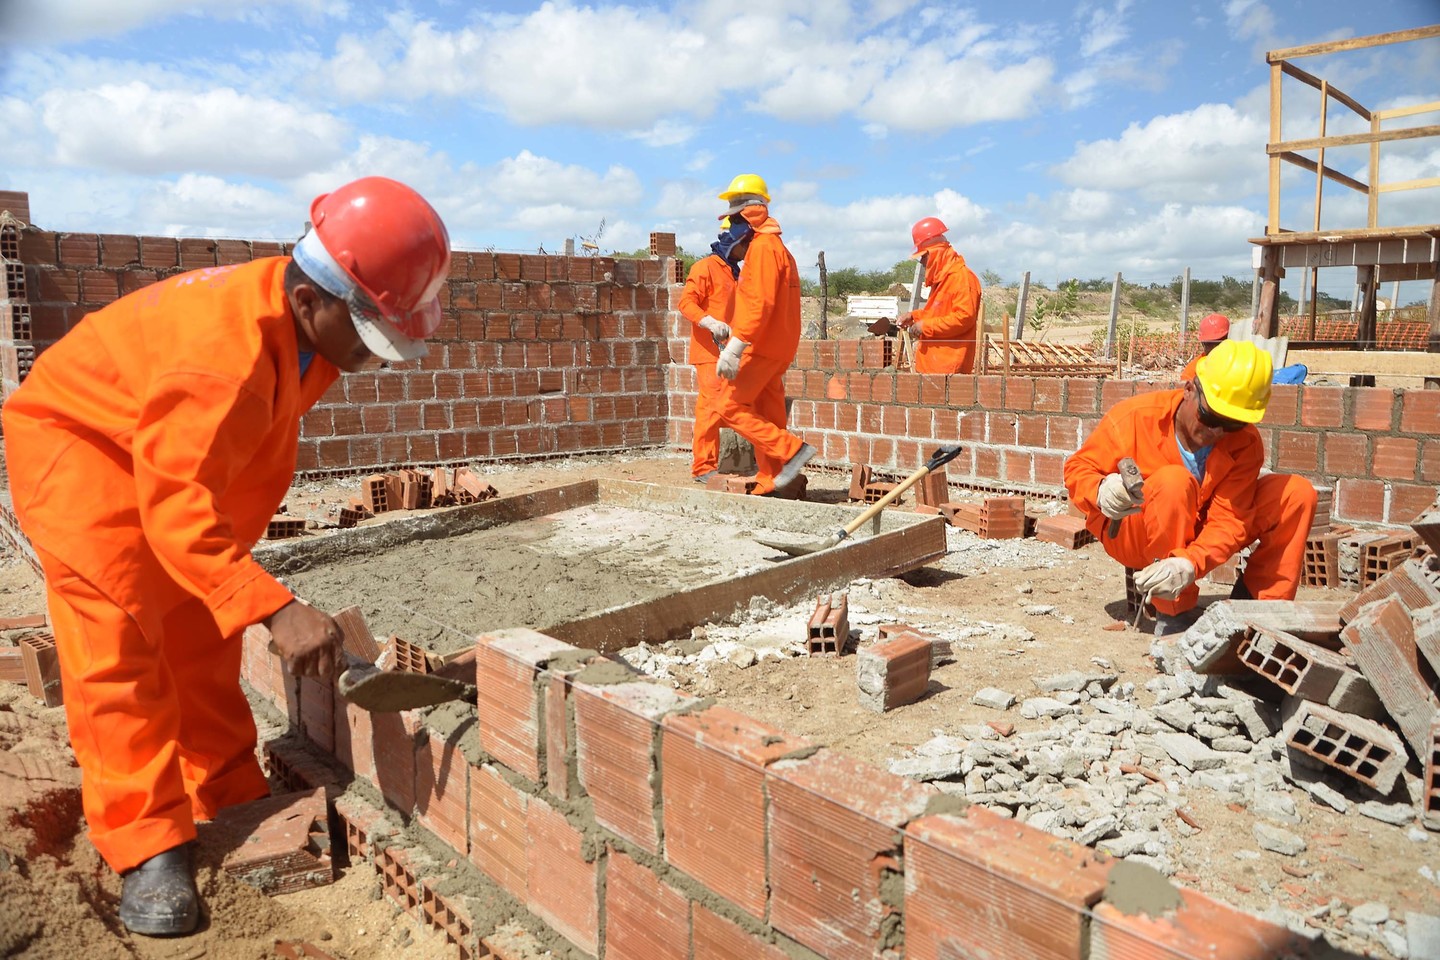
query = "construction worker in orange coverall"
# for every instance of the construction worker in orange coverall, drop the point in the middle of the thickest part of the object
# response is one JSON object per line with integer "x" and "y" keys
{"x": 147, "y": 450}
{"x": 707, "y": 302}
{"x": 1204, "y": 499}
{"x": 944, "y": 329}
{"x": 1214, "y": 330}
{"x": 764, "y": 336}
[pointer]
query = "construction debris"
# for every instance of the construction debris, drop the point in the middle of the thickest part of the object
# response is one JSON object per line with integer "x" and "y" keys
{"x": 279, "y": 844}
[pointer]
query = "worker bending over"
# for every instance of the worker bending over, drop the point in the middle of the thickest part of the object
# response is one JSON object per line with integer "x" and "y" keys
{"x": 1214, "y": 330}
{"x": 944, "y": 329}
{"x": 764, "y": 335}
{"x": 707, "y": 301}
{"x": 1204, "y": 498}
{"x": 147, "y": 451}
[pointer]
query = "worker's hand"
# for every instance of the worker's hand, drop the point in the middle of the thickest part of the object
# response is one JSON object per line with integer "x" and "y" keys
{"x": 1115, "y": 501}
{"x": 729, "y": 363}
{"x": 1165, "y": 579}
{"x": 307, "y": 639}
{"x": 908, "y": 321}
{"x": 719, "y": 330}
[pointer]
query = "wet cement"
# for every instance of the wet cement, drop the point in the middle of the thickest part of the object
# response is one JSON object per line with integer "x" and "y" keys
{"x": 534, "y": 573}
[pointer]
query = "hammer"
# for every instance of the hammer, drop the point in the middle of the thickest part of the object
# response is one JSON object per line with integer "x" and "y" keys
{"x": 1134, "y": 485}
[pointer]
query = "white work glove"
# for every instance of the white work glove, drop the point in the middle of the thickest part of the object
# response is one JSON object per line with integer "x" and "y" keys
{"x": 729, "y": 363}
{"x": 912, "y": 323}
{"x": 1115, "y": 501}
{"x": 1165, "y": 579}
{"x": 719, "y": 330}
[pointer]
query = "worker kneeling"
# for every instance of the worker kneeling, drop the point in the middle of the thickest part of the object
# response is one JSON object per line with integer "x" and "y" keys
{"x": 1203, "y": 498}
{"x": 147, "y": 451}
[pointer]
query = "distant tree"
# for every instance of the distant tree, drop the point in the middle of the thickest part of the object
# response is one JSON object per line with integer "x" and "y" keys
{"x": 992, "y": 279}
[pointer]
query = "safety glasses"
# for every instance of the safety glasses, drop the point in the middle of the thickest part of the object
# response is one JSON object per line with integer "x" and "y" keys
{"x": 1212, "y": 419}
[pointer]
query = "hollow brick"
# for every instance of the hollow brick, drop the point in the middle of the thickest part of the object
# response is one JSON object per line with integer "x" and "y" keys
{"x": 645, "y": 918}
{"x": 499, "y": 834}
{"x": 507, "y": 665}
{"x": 562, "y": 884}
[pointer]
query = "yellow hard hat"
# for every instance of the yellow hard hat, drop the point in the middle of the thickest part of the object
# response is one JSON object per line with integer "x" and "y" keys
{"x": 724, "y": 223}
{"x": 1236, "y": 379}
{"x": 746, "y": 183}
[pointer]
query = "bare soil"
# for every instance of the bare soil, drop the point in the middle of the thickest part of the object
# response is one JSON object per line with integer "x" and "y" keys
{"x": 60, "y": 901}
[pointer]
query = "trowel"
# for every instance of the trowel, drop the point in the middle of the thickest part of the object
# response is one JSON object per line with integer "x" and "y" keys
{"x": 390, "y": 691}
{"x": 937, "y": 460}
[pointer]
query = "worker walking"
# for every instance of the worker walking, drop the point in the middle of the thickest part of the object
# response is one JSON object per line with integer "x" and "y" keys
{"x": 764, "y": 336}
{"x": 1214, "y": 330}
{"x": 1204, "y": 499}
{"x": 944, "y": 329}
{"x": 707, "y": 302}
{"x": 147, "y": 450}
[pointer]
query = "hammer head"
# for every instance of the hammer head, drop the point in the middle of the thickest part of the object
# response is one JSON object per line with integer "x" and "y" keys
{"x": 1130, "y": 474}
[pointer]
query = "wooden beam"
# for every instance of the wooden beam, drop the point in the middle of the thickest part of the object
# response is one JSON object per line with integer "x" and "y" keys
{"x": 1330, "y": 172}
{"x": 1410, "y": 184}
{"x": 1409, "y": 111}
{"x": 1369, "y": 313}
{"x": 1272, "y": 219}
{"x": 1311, "y": 80}
{"x": 1353, "y": 139}
{"x": 1400, "y": 363}
{"x": 1372, "y": 206}
{"x": 1353, "y": 43}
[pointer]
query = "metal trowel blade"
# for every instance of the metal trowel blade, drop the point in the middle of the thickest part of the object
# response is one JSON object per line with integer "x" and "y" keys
{"x": 390, "y": 691}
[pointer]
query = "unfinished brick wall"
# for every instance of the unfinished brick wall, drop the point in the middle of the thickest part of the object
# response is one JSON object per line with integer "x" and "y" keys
{"x": 1379, "y": 447}
{"x": 536, "y": 355}
{"x": 636, "y": 822}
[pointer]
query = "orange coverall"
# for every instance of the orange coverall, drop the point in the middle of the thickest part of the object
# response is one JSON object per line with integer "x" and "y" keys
{"x": 1206, "y": 523}
{"x": 1189, "y": 372}
{"x": 709, "y": 291}
{"x": 147, "y": 451}
{"x": 947, "y": 341}
{"x": 766, "y": 316}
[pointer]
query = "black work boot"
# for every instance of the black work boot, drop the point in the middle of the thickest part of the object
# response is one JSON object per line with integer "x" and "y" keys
{"x": 159, "y": 897}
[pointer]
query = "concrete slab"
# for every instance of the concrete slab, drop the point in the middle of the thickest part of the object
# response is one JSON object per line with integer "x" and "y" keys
{"x": 717, "y": 567}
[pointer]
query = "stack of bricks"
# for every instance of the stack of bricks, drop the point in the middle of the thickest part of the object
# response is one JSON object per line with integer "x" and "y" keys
{"x": 1322, "y": 555}
{"x": 997, "y": 518}
{"x": 17, "y": 351}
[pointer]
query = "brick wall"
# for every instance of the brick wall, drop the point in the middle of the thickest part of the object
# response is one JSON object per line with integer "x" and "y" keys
{"x": 637, "y": 823}
{"x": 1380, "y": 448}
{"x": 536, "y": 355}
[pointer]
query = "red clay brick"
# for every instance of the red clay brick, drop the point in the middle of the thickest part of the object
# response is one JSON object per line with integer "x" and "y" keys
{"x": 41, "y": 663}
{"x": 985, "y": 886}
{"x": 893, "y": 673}
{"x": 442, "y": 788}
{"x": 645, "y": 919}
{"x": 1381, "y": 639}
{"x": 616, "y": 736}
{"x": 1373, "y": 408}
{"x": 834, "y": 826}
{"x": 393, "y": 740}
{"x": 1408, "y": 501}
{"x": 1200, "y": 929}
{"x": 317, "y": 712}
{"x": 562, "y": 885}
{"x": 1362, "y": 500}
{"x": 354, "y": 745}
{"x": 1347, "y": 454}
{"x": 507, "y": 663}
{"x": 560, "y": 777}
{"x": 1420, "y": 412}
{"x": 716, "y": 938}
{"x": 1322, "y": 407}
{"x": 280, "y": 844}
{"x": 1296, "y": 452}
{"x": 1284, "y": 405}
{"x": 499, "y": 835}
{"x": 1396, "y": 458}
{"x": 714, "y": 800}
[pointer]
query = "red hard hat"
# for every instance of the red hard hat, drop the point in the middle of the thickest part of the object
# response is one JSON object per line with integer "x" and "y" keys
{"x": 389, "y": 244}
{"x": 1214, "y": 328}
{"x": 925, "y": 233}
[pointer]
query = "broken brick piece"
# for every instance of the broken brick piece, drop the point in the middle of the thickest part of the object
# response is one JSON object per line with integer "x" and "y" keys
{"x": 1068, "y": 532}
{"x": 24, "y": 623}
{"x": 963, "y": 515}
{"x": 859, "y": 479}
{"x": 278, "y": 844}
{"x": 42, "y": 669}
{"x": 470, "y": 488}
{"x": 408, "y": 657}
{"x": 893, "y": 673}
{"x": 12, "y": 665}
{"x": 283, "y": 528}
{"x": 1415, "y": 583}
{"x": 1381, "y": 639}
{"x": 1309, "y": 671}
{"x": 941, "y": 651}
{"x": 1430, "y": 788}
{"x": 1379, "y": 557}
{"x": 829, "y": 626}
{"x": 1357, "y": 747}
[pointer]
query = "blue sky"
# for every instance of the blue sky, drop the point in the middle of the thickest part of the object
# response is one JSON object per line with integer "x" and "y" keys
{"x": 1068, "y": 139}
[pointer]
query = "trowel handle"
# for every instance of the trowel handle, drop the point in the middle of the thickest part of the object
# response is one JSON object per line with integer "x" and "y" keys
{"x": 939, "y": 458}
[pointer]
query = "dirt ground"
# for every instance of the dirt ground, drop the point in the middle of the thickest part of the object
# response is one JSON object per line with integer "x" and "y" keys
{"x": 978, "y": 595}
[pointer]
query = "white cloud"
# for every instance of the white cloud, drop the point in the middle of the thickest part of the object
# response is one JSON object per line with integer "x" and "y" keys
{"x": 70, "y": 21}
{"x": 137, "y": 129}
{"x": 1211, "y": 152}
{"x": 196, "y": 205}
{"x": 699, "y": 161}
{"x": 1106, "y": 29}
{"x": 931, "y": 93}
{"x": 1250, "y": 19}
{"x": 666, "y": 133}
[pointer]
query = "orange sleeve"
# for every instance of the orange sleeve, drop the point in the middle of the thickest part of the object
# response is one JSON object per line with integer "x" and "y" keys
{"x": 195, "y": 434}
{"x": 951, "y": 313}
{"x": 1098, "y": 457}
{"x": 1189, "y": 372}
{"x": 1231, "y": 508}
{"x": 696, "y": 294}
{"x": 759, "y": 290}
